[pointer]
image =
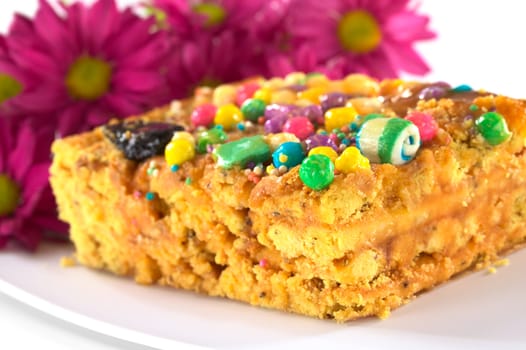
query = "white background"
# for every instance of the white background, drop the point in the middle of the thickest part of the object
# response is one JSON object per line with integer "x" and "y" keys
{"x": 480, "y": 43}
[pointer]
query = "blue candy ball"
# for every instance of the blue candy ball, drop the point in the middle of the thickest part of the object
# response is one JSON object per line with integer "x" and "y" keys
{"x": 288, "y": 154}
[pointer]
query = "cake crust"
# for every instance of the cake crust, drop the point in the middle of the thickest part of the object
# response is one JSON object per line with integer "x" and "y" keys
{"x": 366, "y": 244}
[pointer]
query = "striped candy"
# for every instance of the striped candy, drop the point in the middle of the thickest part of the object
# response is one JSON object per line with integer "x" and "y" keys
{"x": 388, "y": 140}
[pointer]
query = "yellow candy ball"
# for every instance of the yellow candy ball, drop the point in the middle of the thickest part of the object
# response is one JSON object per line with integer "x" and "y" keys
{"x": 224, "y": 94}
{"x": 273, "y": 83}
{"x": 183, "y": 135}
{"x": 179, "y": 151}
{"x": 284, "y": 97}
{"x": 313, "y": 94}
{"x": 326, "y": 151}
{"x": 335, "y": 118}
{"x": 336, "y": 86}
{"x": 350, "y": 160}
{"x": 360, "y": 84}
{"x": 318, "y": 80}
{"x": 295, "y": 78}
{"x": 365, "y": 105}
{"x": 264, "y": 94}
{"x": 228, "y": 116}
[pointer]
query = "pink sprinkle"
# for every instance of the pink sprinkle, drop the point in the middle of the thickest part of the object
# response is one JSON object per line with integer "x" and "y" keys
{"x": 263, "y": 263}
{"x": 299, "y": 126}
{"x": 203, "y": 115}
{"x": 245, "y": 92}
{"x": 426, "y": 124}
{"x": 137, "y": 194}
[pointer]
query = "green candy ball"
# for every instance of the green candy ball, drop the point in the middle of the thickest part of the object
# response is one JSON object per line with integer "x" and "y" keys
{"x": 493, "y": 127}
{"x": 210, "y": 137}
{"x": 317, "y": 171}
{"x": 253, "y": 108}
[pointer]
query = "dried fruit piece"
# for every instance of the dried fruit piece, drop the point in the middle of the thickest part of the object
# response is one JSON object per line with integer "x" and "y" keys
{"x": 139, "y": 140}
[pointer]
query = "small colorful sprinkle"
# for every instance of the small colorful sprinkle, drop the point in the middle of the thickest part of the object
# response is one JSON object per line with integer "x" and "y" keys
{"x": 150, "y": 196}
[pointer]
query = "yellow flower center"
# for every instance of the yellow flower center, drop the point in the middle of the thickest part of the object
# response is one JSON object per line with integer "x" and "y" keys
{"x": 160, "y": 16}
{"x": 359, "y": 32}
{"x": 9, "y": 195}
{"x": 88, "y": 78}
{"x": 213, "y": 13}
{"x": 9, "y": 87}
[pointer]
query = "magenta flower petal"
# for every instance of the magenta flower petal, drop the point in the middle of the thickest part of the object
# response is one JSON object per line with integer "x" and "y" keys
{"x": 406, "y": 58}
{"x": 103, "y": 13}
{"x": 21, "y": 158}
{"x": 50, "y": 29}
{"x": 139, "y": 81}
{"x": 149, "y": 56}
{"x": 29, "y": 170}
{"x": 122, "y": 51}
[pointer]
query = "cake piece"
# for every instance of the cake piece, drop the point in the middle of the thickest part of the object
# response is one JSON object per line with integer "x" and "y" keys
{"x": 334, "y": 199}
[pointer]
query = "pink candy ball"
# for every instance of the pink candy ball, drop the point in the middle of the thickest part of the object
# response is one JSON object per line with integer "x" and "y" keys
{"x": 245, "y": 92}
{"x": 203, "y": 115}
{"x": 426, "y": 124}
{"x": 299, "y": 126}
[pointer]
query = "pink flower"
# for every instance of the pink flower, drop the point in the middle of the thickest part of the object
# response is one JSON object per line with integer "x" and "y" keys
{"x": 86, "y": 64}
{"x": 303, "y": 60}
{"x": 190, "y": 17}
{"x": 207, "y": 61}
{"x": 367, "y": 36}
{"x": 27, "y": 207}
{"x": 213, "y": 42}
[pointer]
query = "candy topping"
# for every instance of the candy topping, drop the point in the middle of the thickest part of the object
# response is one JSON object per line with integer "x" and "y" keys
{"x": 337, "y": 123}
{"x": 317, "y": 171}
{"x": 210, "y": 137}
{"x": 493, "y": 127}
{"x": 253, "y": 108}
{"x": 299, "y": 126}
{"x": 350, "y": 160}
{"x": 462, "y": 88}
{"x": 326, "y": 151}
{"x": 228, "y": 116}
{"x": 140, "y": 140}
{"x": 288, "y": 154}
{"x": 246, "y": 91}
{"x": 335, "y": 118}
{"x": 241, "y": 152}
{"x": 426, "y": 124}
{"x": 388, "y": 140}
{"x": 179, "y": 150}
{"x": 203, "y": 115}
{"x": 9, "y": 195}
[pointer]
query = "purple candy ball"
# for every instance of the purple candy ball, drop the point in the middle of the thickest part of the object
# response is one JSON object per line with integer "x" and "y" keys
{"x": 314, "y": 113}
{"x": 333, "y": 100}
{"x": 318, "y": 140}
{"x": 436, "y": 91}
{"x": 275, "y": 125}
{"x": 297, "y": 87}
{"x": 276, "y": 110}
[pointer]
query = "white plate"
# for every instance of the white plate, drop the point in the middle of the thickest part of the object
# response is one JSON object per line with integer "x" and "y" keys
{"x": 477, "y": 311}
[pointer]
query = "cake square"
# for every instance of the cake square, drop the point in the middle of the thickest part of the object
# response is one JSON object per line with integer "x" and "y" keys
{"x": 336, "y": 199}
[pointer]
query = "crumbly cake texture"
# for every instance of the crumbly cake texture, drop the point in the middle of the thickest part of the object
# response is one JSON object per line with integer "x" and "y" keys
{"x": 361, "y": 246}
